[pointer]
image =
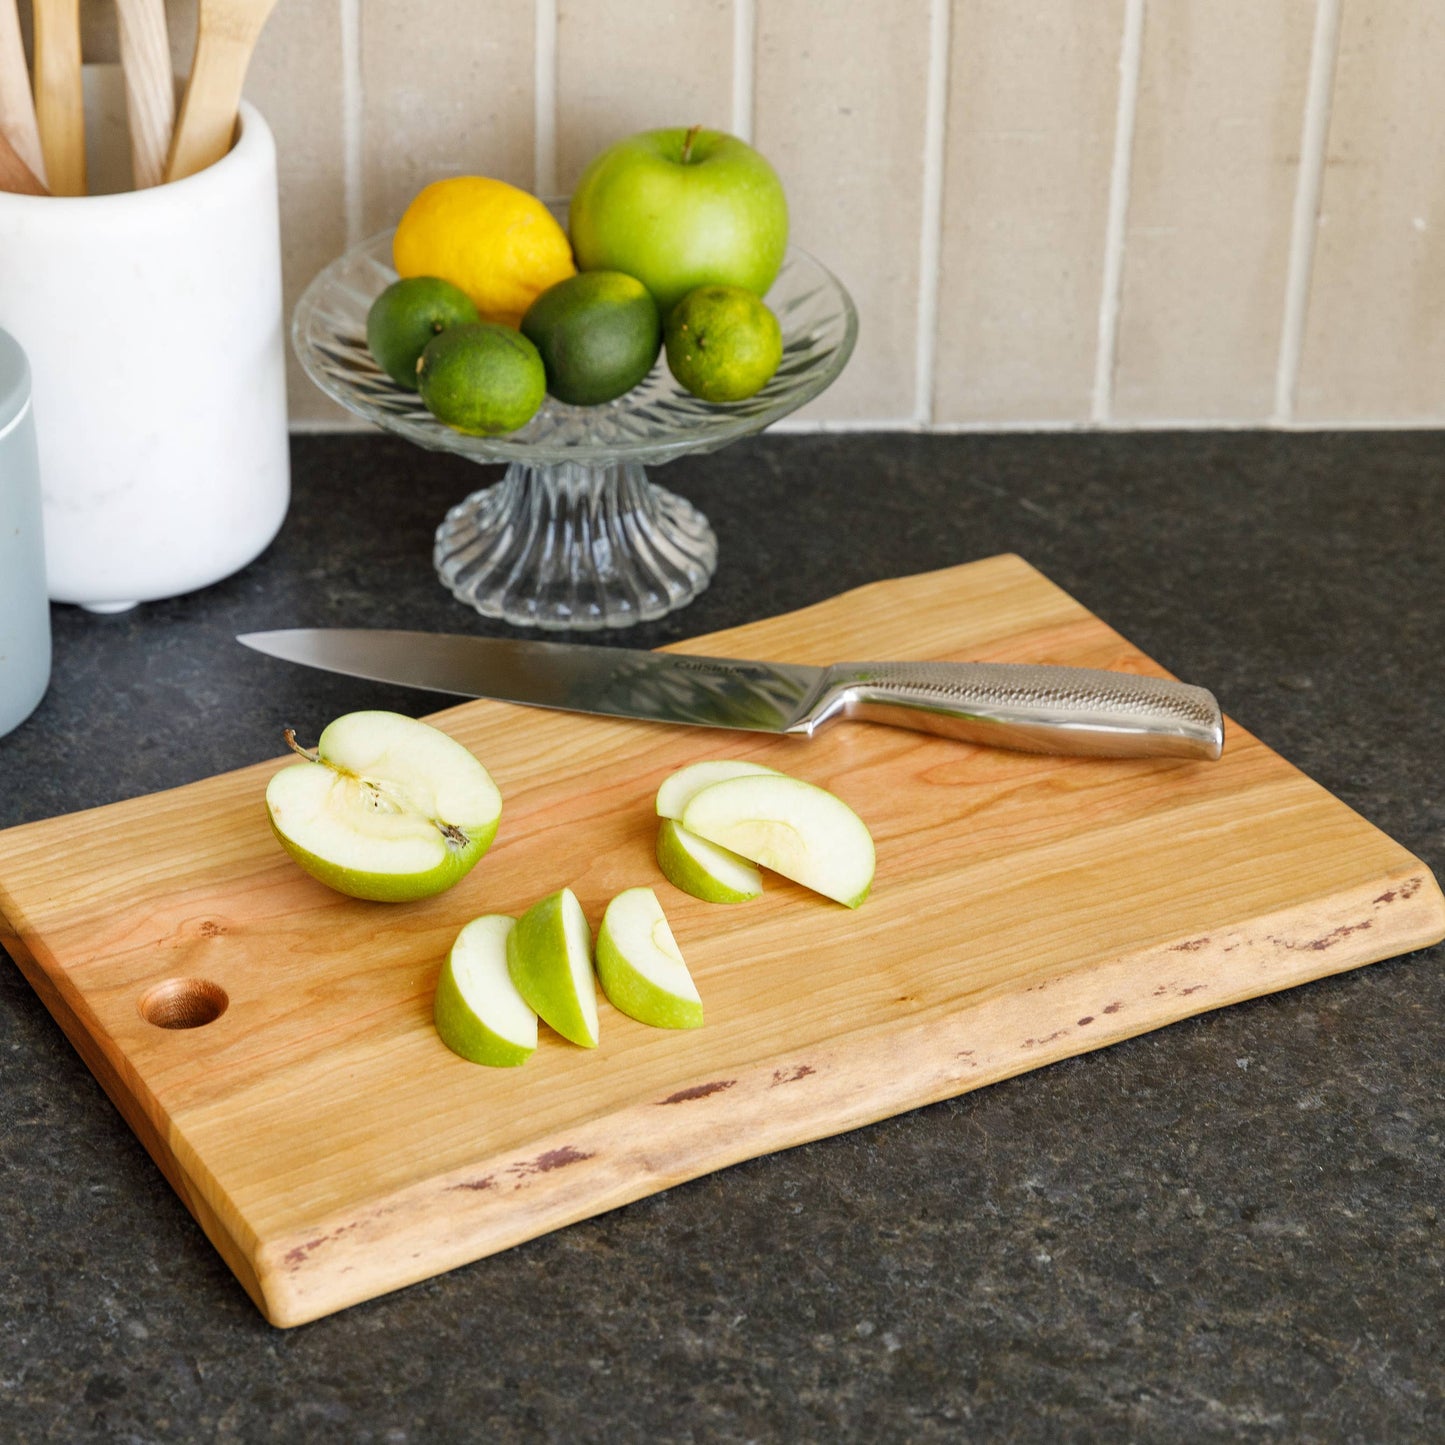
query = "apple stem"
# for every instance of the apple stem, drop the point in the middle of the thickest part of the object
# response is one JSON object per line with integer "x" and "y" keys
{"x": 452, "y": 834}
{"x": 311, "y": 755}
{"x": 687, "y": 143}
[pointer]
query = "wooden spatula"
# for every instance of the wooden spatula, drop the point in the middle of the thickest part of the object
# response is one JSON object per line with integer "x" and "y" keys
{"x": 15, "y": 175}
{"x": 17, "y": 106}
{"x": 150, "y": 91}
{"x": 226, "y": 36}
{"x": 59, "y": 95}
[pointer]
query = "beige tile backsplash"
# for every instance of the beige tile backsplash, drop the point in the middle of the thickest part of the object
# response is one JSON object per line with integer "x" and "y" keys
{"x": 1049, "y": 212}
{"x": 1215, "y": 168}
{"x": 1374, "y": 342}
{"x": 840, "y": 108}
{"x": 1027, "y": 142}
{"x": 635, "y": 64}
{"x": 433, "y": 102}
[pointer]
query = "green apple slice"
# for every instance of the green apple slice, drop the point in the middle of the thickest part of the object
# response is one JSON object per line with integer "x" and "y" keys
{"x": 549, "y": 958}
{"x": 678, "y": 787}
{"x": 796, "y": 829}
{"x": 385, "y": 808}
{"x": 478, "y": 1011}
{"x": 641, "y": 966}
{"x": 702, "y": 868}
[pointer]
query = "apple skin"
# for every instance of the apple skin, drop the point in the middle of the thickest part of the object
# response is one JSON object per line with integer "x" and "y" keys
{"x": 633, "y": 944}
{"x": 702, "y": 869}
{"x": 549, "y": 958}
{"x": 393, "y": 887}
{"x": 478, "y": 960}
{"x": 717, "y": 217}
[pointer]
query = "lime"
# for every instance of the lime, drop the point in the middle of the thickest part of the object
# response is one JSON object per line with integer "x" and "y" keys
{"x": 723, "y": 344}
{"x": 501, "y": 245}
{"x": 598, "y": 333}
{"x": 482, "y": 379}
{"x": 406, "y": 316}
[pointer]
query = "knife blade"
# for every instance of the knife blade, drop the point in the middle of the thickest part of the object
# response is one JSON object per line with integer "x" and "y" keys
{"x": 1023, "y": 706}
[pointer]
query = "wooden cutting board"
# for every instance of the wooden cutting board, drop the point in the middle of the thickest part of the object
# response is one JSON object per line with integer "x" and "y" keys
{"x": 1025, "y": 909}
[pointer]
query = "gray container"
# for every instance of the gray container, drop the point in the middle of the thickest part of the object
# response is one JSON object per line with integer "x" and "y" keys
{"x": 24, "y": 608}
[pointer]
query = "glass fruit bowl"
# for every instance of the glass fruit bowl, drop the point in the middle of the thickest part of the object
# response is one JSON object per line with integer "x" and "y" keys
{"x": 575, "y": 535}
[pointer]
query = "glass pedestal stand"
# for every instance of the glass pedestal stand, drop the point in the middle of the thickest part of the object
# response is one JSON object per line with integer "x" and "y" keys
{"x": 575, "y": 536}
{"x": 575, "y": 545}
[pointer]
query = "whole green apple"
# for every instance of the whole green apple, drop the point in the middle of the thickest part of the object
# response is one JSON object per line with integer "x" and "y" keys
{"x": 678, "y": 209}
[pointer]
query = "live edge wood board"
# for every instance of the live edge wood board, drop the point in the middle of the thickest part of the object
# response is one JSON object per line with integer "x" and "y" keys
{"x": 1025, "y": 909}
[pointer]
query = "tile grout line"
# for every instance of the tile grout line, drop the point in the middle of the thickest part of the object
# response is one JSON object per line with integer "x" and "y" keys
{"x": 544, "y": 121}
{"x": 353, "y": 169}
{"x": 1014, "y": 427}
{"x": 1131, "y": 58}
{"x": 930, "y": 239}
{"x": 745, "y": 31}
{"x": 791, "y": 426}
{"x": 1309, "y": 188}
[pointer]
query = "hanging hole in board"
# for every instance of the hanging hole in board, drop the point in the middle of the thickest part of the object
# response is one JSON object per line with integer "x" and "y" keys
{"x": 184, "y": 1003}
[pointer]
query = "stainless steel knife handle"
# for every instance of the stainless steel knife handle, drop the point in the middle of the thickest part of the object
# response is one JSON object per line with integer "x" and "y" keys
{"x": 1026, "y": 707}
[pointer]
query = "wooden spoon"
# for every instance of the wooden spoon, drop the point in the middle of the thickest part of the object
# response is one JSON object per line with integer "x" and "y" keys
{"x": 17, "y": 106}
{"x": 15, "y": 175}
{"x": 150, "y": 91}
{"x": 60, "y": 95}
{"x": 226, "y": 36}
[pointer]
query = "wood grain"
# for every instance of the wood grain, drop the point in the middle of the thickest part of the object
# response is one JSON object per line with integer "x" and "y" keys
{"x": 15, "y": 175}
{"x": 150, "y": 90}
{"x": 226, "y": 36}
{"x": 60, "y": 95}
{"x": 1025, "y": 909}
{"x": 17, "y": 104}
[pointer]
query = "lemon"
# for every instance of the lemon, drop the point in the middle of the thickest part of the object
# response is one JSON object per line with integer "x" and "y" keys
{"x": 501, "y": 245}
{"x": 598, "y": 333}
{"x": 723, "y": 343}
{"x": 481, "y": 379}
{"x": 406, "y": 316}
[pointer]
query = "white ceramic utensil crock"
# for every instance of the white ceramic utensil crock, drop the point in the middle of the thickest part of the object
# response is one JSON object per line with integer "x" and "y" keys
{"x": 24, "y": 610}
{"x": 153, "y": 324}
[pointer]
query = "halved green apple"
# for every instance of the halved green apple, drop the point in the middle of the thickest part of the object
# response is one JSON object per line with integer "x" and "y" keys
{"x": 386, "y": 808}
{"x": 795, "y": 828}
{"x": 641, "y": 967}
{"x": 678, "y": 787}
{"x": 478, "y": 1011}
{"x": 549, "y": 958}
{"x": 702, "y": 868}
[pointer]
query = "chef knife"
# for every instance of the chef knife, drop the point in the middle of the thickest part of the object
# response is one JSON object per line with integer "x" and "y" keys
{"x": 1024, "y": 706}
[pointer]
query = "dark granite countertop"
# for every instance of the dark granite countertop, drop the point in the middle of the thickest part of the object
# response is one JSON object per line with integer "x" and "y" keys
{"x": 1227, "y": 1230}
